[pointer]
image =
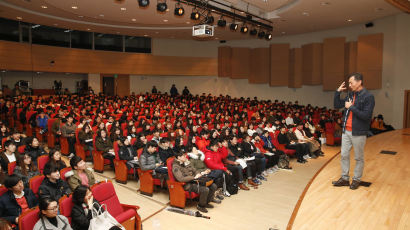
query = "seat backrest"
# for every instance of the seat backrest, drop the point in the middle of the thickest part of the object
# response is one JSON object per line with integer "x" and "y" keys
{"x": 11, "y": 166}
{"x": 3, "y": 190}
{"x": 104, "y": 193}
{"x": 63, "y": 172}
{"x": 66, "y": 205}
{"x": 21, "y": 149}
{"x": 116, "y": 150}
{"x": 35, "y": 183}
{"x": 41, "y": 162}
{"x": 169, "y": 167}
{"x": 28, "y": 219}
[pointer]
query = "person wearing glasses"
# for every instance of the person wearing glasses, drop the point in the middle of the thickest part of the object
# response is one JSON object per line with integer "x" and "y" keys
{"x": 49, "y": 218}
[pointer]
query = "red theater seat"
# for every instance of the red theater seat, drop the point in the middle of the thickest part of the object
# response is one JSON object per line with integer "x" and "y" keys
{"x": 10, "y": 167}
{"x": 63, "y": 172}
{"x": 28, "y": 219}
{"x": 147, "y": 182}
{"x": 41, "y": 162}
{"x": 3, "y": 190}
{"x": 125, "y": 214}
{"x": 66, "y": 205}
{"x": 177, "y": 194}
{"x": 35, "y": 183}
{"x": 121, "y": 169}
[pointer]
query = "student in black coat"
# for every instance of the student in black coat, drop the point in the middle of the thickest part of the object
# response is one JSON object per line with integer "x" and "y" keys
{"x": 53, "y": 186}
{"x": 16, "y": 200}
{"x": 129, "y": 153}
{"x": 83, "y": 201}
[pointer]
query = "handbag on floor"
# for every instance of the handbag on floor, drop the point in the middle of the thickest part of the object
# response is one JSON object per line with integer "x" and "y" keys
{"x": 102, "y": 220}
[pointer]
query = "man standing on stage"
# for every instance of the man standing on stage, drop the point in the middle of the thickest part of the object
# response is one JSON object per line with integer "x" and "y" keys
{"x": 357, "y": 115}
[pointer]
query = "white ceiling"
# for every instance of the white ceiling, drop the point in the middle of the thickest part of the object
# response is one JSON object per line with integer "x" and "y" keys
{"x": 106, "y": 16}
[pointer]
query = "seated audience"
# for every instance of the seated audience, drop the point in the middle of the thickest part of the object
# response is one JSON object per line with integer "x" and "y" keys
{"x": 34, "y": 149}
{"x": 49, "y": 218}
{"x": 9, "y": 155}
{"x": 165, "y": 150}
{"x": 85, "y": 136}
{"x": 26, "y": 169}
{"x": 80, "y": 174}
{"x": 150, "y": 160}
{"x": 55, "y": 158}
{"x": 104, "y": 144}
{"x": 84, "y": 202}
{"x": 129, "y": 153}
{"x": 16, "y": 200}
{"x": 53, "y": 186}
{"x": 184, "y": 172}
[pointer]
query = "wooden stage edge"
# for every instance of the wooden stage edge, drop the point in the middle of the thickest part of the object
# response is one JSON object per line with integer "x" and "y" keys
{"x": 297, "y": 206}
{"x": 374, "y": 145}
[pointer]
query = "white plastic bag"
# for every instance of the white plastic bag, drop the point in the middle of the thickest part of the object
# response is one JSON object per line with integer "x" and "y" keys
{"x": 102, "y": 220}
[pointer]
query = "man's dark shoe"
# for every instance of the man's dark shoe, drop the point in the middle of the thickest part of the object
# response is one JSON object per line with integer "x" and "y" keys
{"x": 209, "y": 206}
{"x": 216, "y": 201}
{"x": 201, "y": 209}
{"x": 340, "y": 182}
{"x": 355, "y": 184}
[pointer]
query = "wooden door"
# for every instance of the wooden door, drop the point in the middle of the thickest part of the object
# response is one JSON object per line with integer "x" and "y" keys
{"x": 108, "y": 86}
{"x": 406, "y": 116}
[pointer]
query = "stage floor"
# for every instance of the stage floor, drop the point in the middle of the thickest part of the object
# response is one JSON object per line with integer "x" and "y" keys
{"x": 383, "y": 205}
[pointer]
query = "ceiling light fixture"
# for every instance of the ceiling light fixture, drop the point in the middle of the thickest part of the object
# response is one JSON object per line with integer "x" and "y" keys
{"x": 221, "y": 22}
{"x": 19, "y": 18}
{"x": 74, "y": 7}
{"x": 233, "y": 26}
{"x": 349, "y": 20}
{"x": 261, "y": 34}
{"x": 268, "y": 36}
{"x": 305, "y": 14}
{"x": 195, "y": 15}
{"x": 162, "y": 6}
{"x": 179, "y": 10}
{"x": 44, "y": 7}
{"x": 134, "y": 20}
{"x": 165, "y": 20}
{"x": 244, "y": 28}
{"x": 123, "y": 8}
{"x": 143, "y": 3}
{"x": 253, "y": 32}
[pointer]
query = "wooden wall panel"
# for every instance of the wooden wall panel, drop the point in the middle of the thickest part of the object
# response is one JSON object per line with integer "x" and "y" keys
{"x": 224, "y": 61}
{"x": 15, "y": 56}
{"x": 312, "y": 64}
{"x": 370, "y": 59}
{"x": 240, "y": 67}
{"x": 350, "y": 57}
{"x": 333, "y": 62}
{"x": 295, "y": 68}
{"x": 260, "y": 66}
{"x": 90, "y": 61}
{"x": 279, "y": 64}
{"x": 123, "y": 85}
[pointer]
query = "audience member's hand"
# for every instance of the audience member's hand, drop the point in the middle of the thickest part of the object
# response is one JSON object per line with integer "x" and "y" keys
{"x": 229, "y": 172}
{"x": 341, "y": 87}
{"x": 197, "y": 176}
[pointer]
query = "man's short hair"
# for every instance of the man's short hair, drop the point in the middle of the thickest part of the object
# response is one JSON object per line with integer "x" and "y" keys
{"x": 8, "y": 142}
{"x": 74, "y": 161}
{"x": 49, "y": 168}
{"x": 356, "y": 76}
{"x": 164, "y": 140}
{"x": 11, "y": 181}
{"x": 151, "y": 144}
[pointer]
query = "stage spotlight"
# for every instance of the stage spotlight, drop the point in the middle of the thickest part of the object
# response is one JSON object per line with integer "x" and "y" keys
{"x": 222, "y": 22}
{"x": 162, "y": 6}
{"x": 195, "y": 16}
{"x": 268, "y": 36}
{"x": 244, "y": 29}
{"x": 209, "y": 19}
{"x": 253, "y": 32}
{"x": 233, "y": 26}
{"x": 179, "y": 11}
{"x": 143, "y": 3}
{"x": 261, "y": 34}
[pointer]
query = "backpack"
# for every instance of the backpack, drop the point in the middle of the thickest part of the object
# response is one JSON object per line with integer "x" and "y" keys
{"x": 283, "y": 161}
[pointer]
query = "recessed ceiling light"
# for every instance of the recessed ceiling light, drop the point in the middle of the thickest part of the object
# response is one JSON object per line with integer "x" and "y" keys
{"x": 283, "y": 32}
{"x": 167, "y": 10}
{"x": 80, "y": 16}
{"x": 44, "y": 7}
{"x": 325, "y": 3}
{"x": 145, "y": 35}
{"x": 74, "y": 7}
{"x": 134, "y": 20}
{"x": 165, "y": 20}
{"x": 305, "y": 14}
{"x": 19, "y": 18}
{"x": 349, "y": 20}
{"x": 55, "y": 24}
{"x": 187, "y": 22}
{"x": 88, "y": 29}
{"x": 101, "y": 15}
{"x": 123, "y": 8}
{"x": 242, "y": 12}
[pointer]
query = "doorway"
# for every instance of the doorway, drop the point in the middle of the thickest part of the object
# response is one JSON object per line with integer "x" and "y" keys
{"x": 406, "y": 116}
{"x": 108, "y": 86}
